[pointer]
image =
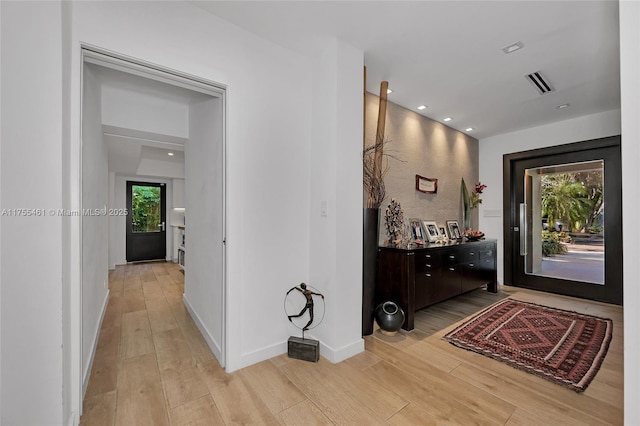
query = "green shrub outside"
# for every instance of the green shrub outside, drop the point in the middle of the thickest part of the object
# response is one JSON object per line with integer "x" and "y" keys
{"x": 554, "y": 242}
{"x": 595, "y": 229}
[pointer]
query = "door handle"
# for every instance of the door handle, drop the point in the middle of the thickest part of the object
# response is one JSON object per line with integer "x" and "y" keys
{"x": 161, "y": 225}
{"x": 523, "y": 229}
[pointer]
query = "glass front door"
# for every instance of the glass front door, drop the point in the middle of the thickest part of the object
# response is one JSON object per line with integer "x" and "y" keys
{"x": 558, "y": 238}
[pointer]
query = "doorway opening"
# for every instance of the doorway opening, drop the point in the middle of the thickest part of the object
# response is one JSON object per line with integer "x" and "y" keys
{"x": 118, "y": 144}
{"x": 555, "y": 227}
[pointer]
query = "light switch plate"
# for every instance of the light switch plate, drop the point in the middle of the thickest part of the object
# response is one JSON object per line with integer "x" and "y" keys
{"x": 492, "y": 213}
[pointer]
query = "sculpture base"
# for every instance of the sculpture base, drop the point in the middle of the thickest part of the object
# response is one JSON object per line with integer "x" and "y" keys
{"x": 304, "y": 349}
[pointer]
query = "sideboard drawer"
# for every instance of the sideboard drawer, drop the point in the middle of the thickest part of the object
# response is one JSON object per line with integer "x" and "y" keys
{"x": 427, "y": 262}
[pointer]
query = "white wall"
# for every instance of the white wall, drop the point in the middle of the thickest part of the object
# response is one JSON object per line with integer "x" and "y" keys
{"x": 0, "y": 220}
{"x": 118, "y": 224}
{"x": 178, "y": 193}
{"x": 31, "y": 367}
{"x": 95, "y": 228}
{"x": 335, "y": 252}
{"x": 204, "y": 248}
{"x": 630, "y": 91}
{"x": 138, "y": 111}
{"x": 492, "y": 150}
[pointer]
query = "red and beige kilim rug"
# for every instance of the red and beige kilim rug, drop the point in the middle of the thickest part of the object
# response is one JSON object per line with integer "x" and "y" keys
{"x": 564, "y": 347}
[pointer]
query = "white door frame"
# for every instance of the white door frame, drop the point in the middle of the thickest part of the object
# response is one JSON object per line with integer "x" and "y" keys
{"x": 95, "y": 55}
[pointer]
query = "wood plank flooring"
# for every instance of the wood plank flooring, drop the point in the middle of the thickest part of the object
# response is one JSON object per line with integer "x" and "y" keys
{"x": 152, "y": 367}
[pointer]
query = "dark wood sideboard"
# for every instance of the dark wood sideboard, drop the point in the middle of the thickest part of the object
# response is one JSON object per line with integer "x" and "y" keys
{"x": 418, "y": 277}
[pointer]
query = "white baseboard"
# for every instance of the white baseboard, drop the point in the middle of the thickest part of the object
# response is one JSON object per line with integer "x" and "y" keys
{"x": 73, "y": 419}
{"x": 340, "y": 354}
{"x": 213, "y": 345}
{"x": 261, "y": 354}
{"x": 94, "y": 345}
{"x": 332, "y": 355}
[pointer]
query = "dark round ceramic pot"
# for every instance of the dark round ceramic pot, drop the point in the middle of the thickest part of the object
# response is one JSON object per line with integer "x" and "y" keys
{"x": 389, "y": 317}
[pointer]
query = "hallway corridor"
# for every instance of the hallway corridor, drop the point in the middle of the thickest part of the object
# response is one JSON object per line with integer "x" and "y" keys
{"x": 151, "y": 363}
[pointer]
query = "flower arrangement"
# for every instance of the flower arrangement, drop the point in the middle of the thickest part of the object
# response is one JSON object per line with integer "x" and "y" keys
{"x": 394, "y": 222}
{"x": 470, "y": 201}
{"x": 474, "y": 198}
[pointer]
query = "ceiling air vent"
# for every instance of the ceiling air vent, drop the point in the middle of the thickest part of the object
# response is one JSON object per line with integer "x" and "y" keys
{"x": 539, "y": 82}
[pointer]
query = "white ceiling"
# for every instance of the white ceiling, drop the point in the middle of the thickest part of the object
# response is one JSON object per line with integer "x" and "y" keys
{"x": 448, "y": 54}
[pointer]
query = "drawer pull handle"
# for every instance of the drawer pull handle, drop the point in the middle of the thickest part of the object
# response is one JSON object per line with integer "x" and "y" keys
{"x": 471, "y": 265}
{"x": 427, "y": 265}
{"x": 452, "y": 256}
{"x": 427, "y": 275}
{"x": 427, "y": 256}
{"x": 471, "y": 254}
{"x": 452, "y": 269}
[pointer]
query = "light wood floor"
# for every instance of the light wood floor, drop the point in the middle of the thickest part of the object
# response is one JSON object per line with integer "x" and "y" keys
{"x": 152, "y": 367}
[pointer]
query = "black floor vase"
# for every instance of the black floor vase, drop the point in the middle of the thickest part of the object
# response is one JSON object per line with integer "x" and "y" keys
{"x": 369, "y": 256}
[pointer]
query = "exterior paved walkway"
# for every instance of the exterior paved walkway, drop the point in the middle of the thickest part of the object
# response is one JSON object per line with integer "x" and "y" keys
{"x": 581, "y": 263}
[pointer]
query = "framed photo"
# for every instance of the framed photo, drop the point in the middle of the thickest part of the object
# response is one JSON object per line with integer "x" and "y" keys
{"x": 426, "y": 185}
{"x": 417, "y": 232}
{"x": 454, "y": 230}
{"x": 431, "y": 230}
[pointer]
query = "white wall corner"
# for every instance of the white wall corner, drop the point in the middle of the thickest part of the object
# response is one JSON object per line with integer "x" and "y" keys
{"x": 94, "y": 345}
{"x": 73, "y": 419}
{"x": 208, "y": 337}
{"x": 630, "y": 105}
{"x": 336, "y": 176}
{"x": 262, "y": 354}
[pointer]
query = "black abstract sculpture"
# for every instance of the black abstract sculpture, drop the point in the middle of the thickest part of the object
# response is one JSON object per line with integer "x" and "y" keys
{"x": 301, "y": 348}
{"x": 308, "y": 294}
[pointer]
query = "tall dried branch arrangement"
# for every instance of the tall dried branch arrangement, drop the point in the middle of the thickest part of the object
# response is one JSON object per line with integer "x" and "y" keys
{"x": 374, "y": 176}
{"x": 375, "y": 171}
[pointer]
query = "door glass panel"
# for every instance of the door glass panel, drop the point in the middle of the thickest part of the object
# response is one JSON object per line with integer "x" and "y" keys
{"x": 564, "y": 227}
{"x": 145, "y": 206}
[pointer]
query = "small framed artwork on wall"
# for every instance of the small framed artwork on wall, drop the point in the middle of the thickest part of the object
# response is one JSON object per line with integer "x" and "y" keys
{"x": 431, "y": 230}
{"x": 426, "y": 185}
{"x": 454, "y": 230}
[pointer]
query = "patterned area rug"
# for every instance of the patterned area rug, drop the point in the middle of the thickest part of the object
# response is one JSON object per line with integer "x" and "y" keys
{"x": 564, "y": 347}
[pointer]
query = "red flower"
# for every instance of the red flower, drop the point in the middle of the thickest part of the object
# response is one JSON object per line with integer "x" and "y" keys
{"x": 474, "y": 198}
{"x": 479, "y": 188}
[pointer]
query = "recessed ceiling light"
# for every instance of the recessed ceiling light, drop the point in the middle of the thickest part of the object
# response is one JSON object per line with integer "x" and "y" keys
{"x": 170, "y": 154}
{"x": 563, "y": 106}
{"x": 513, "y": 47}
{"x": 447, "y": 119}
{"x": 389, "y": 91}
{"x": 468, "y": 129}
{"x": 421, "y": 107}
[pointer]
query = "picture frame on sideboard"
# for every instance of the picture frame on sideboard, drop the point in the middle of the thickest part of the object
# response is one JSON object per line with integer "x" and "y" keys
{"x": 418, "y": 235}
{"x": 431, "y": 230}
{"x": 454, "y": 230}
